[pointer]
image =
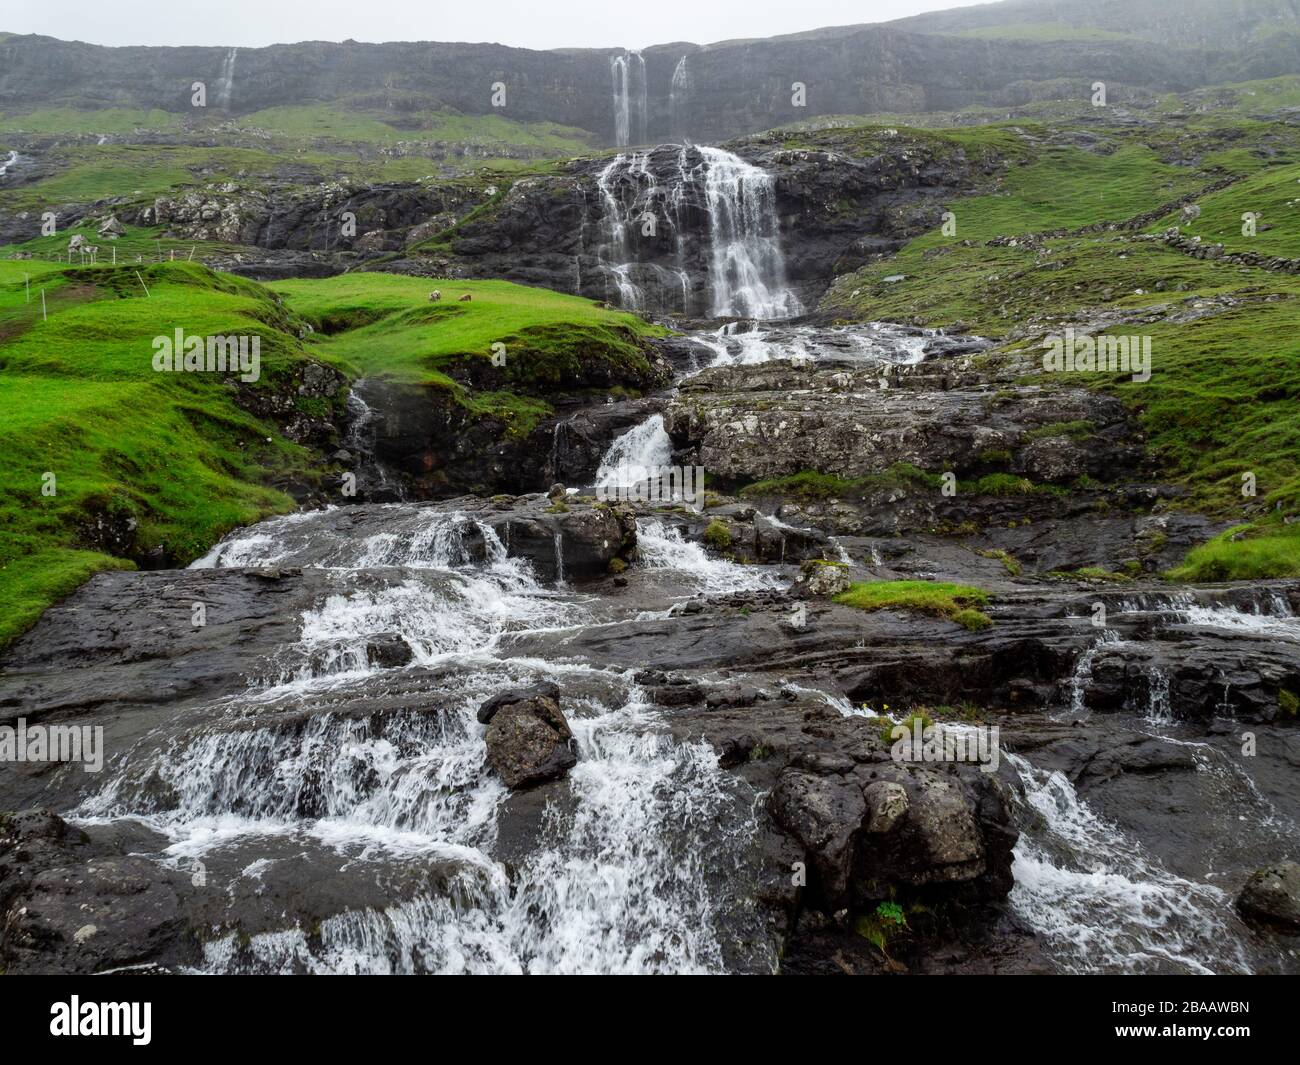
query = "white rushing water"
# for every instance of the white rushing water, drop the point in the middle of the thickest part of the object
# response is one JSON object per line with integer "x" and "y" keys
{"x": 226, "y": 83}
{"x": 633, "y": 455}
{"x": 660, "y": 546}
{"x": 634, "y": 865}
{"x": 1100, "y": 903}
{"x": 627, "y": 72}
{"x": 648, "y": 200}
{"x": 747, "y": 276}
{"x": 877, "y": 343}
{"x": 9, "y": 161}
{"x": 1277, "y": 623}
{"x": 679, "y": 93}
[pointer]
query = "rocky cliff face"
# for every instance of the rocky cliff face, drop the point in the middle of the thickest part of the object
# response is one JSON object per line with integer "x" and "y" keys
{"x": 669, "y": 92}
{"x": 645, "y": 229}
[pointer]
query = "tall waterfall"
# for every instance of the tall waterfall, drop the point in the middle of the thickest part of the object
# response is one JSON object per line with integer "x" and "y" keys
{"x": 675, "y": 213}
{"x": 227, "y": 81}
{"x": 679, "y": 93}
{"x": 747, "y": 271}
{"x": 635, "y": 210}
{"x": 628, "y": 74}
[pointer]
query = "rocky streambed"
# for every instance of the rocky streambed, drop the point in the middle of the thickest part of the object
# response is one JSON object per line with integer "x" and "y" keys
{"x": 545, "y": 733}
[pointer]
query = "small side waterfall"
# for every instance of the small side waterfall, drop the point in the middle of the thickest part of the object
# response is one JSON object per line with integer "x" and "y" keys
{"x": 633, "y": 454}
{"x": 627, "y": 72}
{"x": 226, "y": 84}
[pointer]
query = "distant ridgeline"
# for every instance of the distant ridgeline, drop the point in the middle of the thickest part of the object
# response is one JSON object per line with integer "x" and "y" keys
{"x": 993, "y": 55}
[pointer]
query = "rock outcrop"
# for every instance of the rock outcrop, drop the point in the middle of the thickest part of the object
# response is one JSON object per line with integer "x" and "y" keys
{"x": 528, "y": 739}
{"x": 1273, "y": 895}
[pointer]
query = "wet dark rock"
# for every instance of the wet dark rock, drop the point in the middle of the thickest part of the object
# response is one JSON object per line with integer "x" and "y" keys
{"x": 1272, "y": 894}
{"x": 489, "y": 709}
{"x": 389, "y": 653}
{"x": 528, "y": 739}
{"x": 824, "y": 813}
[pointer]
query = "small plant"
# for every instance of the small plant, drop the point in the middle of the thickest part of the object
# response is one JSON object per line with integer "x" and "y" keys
{"x": 1288, "y": 702}
{"x": 717, "y": 535}
{"x": 974, "y": 620}
{"x": 1012, "y": 565}
{"x": 917, "y": 719}
{"x": 891, "y": 913}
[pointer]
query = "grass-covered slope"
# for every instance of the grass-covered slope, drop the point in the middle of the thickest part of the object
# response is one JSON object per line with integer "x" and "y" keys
{"x": 157, "y": 466}
{"x": 1224, "y": 397}
{"x": 384, "y": 325}
{"x": 106, "y": 459}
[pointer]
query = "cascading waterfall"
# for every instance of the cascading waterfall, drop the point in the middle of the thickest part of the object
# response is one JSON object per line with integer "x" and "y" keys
{"x": 376, "y": 780}
{"x": 1102, "y": 905}
{"x": 660, "y": 546}
{"x": 227, "y": 81}
{"x": 747, "y": 269}
{"x": 649, "y": 201}
{"x": 679, "y": 93}
{"x": 361, "y": 442}
{"x": 628, "y": 74}
{"x": 631, "y": 456}
{"x": 633, "y": 207}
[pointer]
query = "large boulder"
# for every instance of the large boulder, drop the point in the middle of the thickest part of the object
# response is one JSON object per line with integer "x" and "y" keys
{"x": 1273, "y": 894}
{"x": 528, "y": 739}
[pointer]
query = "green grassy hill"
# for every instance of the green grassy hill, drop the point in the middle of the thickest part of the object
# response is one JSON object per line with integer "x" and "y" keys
{"x": 1224, "y": 397}
{"x": 147, "y": 466}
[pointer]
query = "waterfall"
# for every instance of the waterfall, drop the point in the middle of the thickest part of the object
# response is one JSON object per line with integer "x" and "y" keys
{"x": 653, "y": 202}
{"x": 679, "y": 93}
{"x": 629, "y": 458}
{"x": 747, "y": 269}
{"x": 9, "y": 161}
{"x": 664, "y": 548}
{"x": 1100, "y": 904}
{"x": 226, "y": 83}
{"x": 361, "y": 440}
{"x": 628, "y": 74}
{"x": 634, "y": 868}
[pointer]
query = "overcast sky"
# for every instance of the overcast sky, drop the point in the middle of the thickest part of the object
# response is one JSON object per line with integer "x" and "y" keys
{"x": 524, "y": 23}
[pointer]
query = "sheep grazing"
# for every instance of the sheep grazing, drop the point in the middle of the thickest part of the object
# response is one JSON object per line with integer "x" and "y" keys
{"x": 434, "y": 296}
{"x": 465, "y": 298}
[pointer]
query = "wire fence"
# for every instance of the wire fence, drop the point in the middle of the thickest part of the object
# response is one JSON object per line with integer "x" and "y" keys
{"x": 120, "y": 252}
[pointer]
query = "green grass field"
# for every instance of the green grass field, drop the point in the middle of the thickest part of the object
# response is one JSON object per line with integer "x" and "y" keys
{"x": 174, "y": 459}
{"x": 94, "y": 438}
